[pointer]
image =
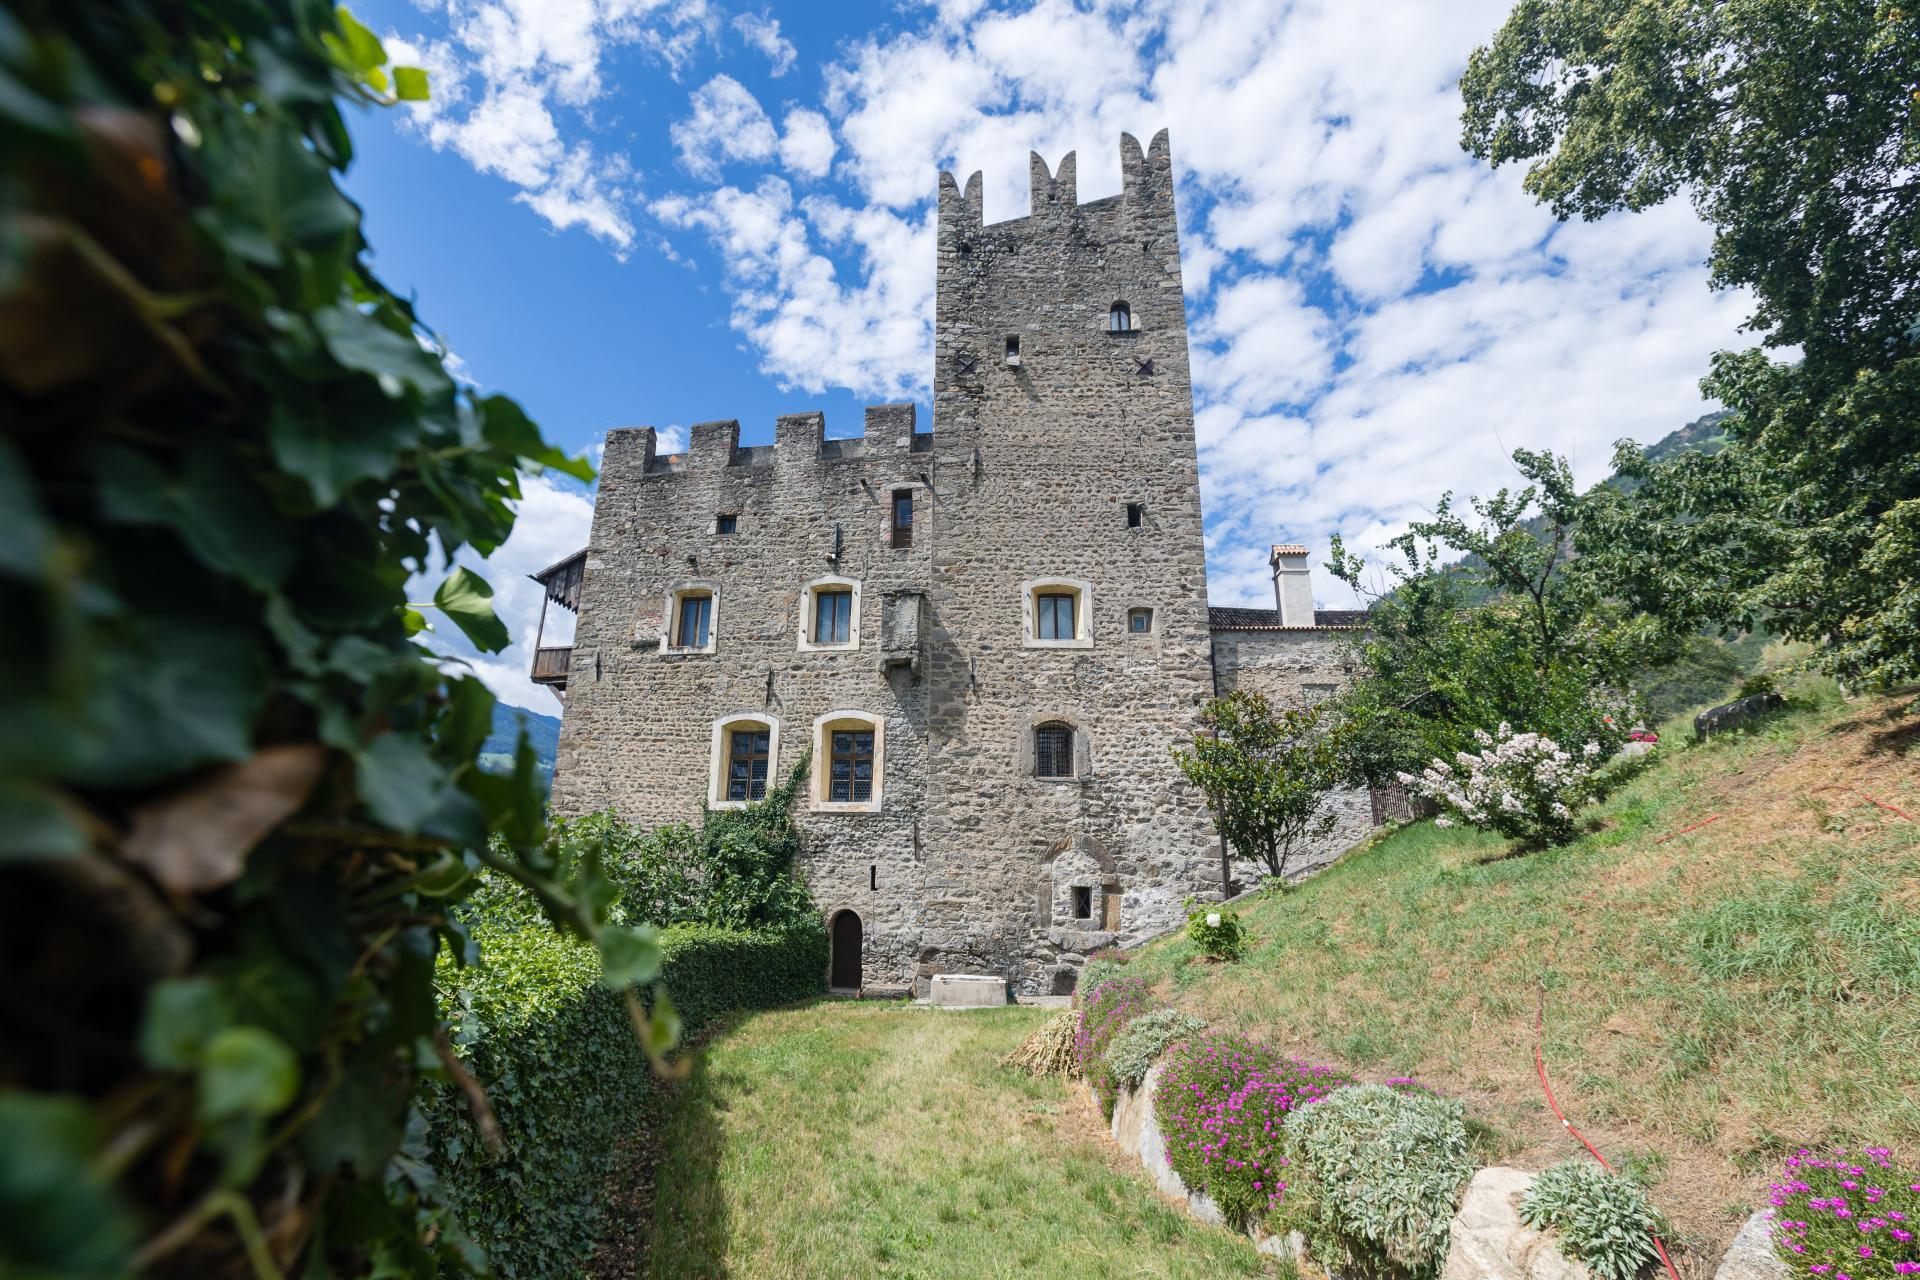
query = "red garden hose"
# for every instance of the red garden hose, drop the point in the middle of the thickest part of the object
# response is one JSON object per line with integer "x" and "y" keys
{"x": 1540, "y": 1065}
{"x": 1890, "y": 808}
{"x": 1682, "y": 831}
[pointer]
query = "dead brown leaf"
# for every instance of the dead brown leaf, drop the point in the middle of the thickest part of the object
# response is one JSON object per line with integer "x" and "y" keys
{"x": 197, "y": 838}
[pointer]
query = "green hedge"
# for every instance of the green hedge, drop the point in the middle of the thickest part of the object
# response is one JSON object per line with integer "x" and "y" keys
{"x": 556, "y": 1053}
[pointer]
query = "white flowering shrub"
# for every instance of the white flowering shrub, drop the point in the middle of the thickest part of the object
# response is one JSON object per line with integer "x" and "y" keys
{"x": 1519, "y": 784}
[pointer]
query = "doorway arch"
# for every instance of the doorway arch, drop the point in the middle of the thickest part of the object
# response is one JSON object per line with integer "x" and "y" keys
{"x": 843, "y": 971}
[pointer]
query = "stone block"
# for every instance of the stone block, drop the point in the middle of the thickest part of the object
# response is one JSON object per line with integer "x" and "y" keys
{"x": 1489, "y": 1242}
{"x": 1751, "y": 1255}
{"x": 968, "y": 991}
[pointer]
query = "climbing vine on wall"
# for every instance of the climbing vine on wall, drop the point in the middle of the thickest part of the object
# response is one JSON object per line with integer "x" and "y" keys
{"x": 236, "y": 796}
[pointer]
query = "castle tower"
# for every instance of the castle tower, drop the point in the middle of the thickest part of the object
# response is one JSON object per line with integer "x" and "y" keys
{"x": 1069, "y": 576}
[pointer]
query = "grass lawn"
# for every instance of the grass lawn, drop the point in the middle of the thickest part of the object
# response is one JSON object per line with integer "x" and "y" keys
{"x": 841, "y": 1139}
{"x": 1713, "y": 1000}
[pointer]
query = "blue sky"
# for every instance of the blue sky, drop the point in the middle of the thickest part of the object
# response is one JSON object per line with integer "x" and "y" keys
{"x": 657, "y": 212}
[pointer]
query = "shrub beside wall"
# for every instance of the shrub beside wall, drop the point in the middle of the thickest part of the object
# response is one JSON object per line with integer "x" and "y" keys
{"x": 556, "y": 1053}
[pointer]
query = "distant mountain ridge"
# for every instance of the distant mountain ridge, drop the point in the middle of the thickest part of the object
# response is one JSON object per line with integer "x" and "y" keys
{"x": 543, "y": 732}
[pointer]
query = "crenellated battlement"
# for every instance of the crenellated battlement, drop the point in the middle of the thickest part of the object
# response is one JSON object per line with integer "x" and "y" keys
{"x": 1146, "y": 191}
{"x": 798, "y": 438}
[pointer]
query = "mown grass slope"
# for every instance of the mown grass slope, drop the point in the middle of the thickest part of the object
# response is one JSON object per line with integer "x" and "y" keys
{"x": 841, "y": 1139}
{"x": 1713, "y": 999}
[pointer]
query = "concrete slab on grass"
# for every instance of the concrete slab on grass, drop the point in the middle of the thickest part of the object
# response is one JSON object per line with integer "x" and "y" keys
{"x": 967, "y": 991}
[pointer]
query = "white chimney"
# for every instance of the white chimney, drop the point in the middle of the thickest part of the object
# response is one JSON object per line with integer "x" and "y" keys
{"x": 1292, "y": 585}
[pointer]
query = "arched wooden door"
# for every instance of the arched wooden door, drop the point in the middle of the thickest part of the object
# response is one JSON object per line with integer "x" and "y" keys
{"x": 844, "y": 971}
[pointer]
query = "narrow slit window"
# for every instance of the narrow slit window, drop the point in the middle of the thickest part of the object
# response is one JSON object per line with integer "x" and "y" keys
{"x": 1120, "y": 318}
{"x": 1013, "y": 348}
{"x": 1053, "y": 751}
{"x": 850, "y": 766}
{"x": 1083, "y": 902}
{"x": 725, "y": 524}
{"x": 1053, "y": 616}
{"x": 1136, "y": 514}
{"x": 696, "y": 615}
{"x": 747, "y": 764}
{"x": 903, "y": 517}
{"x": 832, "y": 617}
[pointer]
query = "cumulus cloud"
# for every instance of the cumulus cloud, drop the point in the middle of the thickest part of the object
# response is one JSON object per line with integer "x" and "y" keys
{"x": 807, "y": 146}
{"x": 762, "y": 32}
{"x": 727, "y": 123}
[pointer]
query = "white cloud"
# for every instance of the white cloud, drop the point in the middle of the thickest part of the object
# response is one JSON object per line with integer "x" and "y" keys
{"x": 762, "y": 32}
{"x": 807, "y": 146}
{"x": 728, "y": 123}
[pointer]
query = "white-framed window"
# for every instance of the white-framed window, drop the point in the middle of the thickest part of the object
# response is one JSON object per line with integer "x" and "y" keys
{"x": 693, "y": 615}
{"x": 746, "y": 759}
{"x": 849, "y": 762}
{"x": 830, "y": 614}
{"x": 1056, "y": 613}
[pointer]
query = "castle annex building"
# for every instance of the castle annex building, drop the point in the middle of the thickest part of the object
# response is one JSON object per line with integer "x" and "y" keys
{"x": 984, "y": 638}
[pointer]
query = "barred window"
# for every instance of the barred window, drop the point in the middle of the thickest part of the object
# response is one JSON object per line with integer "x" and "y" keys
{"x": 1053, "y": 750}
{"x": 850, "y": 769}
{"x": 747, "y": 764}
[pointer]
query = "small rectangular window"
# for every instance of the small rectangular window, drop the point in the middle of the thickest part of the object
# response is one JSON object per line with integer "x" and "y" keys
{"x": 1140, "y": 621}
{"x": 903, "y": 517}
{"x": 1136, "y": 514}
{"x": 832, "y": 617}
{"x": 1053, "y": 751}
{"x": 1054, "y": 616}
{"x": 850, "y": 766}
{"x": 696, "y": 612}
{"x": 1013, "y": 348}
{"x": 1083, "y": 902}
{"x": 726, "y": 524}
{"x": 747, "y": 765}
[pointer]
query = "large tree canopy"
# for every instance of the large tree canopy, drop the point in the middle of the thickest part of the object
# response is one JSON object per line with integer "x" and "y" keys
{"x": 1794, "y": 128}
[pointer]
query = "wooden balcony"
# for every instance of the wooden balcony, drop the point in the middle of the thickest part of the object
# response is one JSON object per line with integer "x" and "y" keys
{"x": 550, "y": 666}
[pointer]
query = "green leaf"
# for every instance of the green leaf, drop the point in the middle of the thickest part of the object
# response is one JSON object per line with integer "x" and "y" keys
{"x": 26, "y": 539}
{"x": 246, "y": 1071}
{"x": 628, "y": 955}
{"x": 62, "y": 1217}
{"x": 333, "y": 452}
{"x": 663, "y": 1024}
{"x": 468, "y": 600}
{"x": 37, "y": 823}
{"x": 410, "y": 84}
{"x": 182, "y": 1016}
{"x": 400, "y": 781}
{"x": 414, "y": 621}
{"x": 362, "y": 46}
{"x": 276, "y": 194}
{"x": 213, "y": 503}
{"x": 359, "y": 341}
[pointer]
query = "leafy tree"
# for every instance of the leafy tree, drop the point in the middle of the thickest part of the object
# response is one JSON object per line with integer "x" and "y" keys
{"x": 1794, "y": 129}
{"x": 237, "y": 795}
{"x": 1266, "y": 772}
{"x": 1543, "y": 649}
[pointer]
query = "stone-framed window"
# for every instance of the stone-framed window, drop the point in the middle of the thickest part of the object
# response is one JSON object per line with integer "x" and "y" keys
{"x": 745, "y": 759}
{"x": 830, "y": 614}
{"x": 849, "y": 762}
{"x": 1056, "y": 613}
{"x": 1120, "y": 318}
{"x": 693, "y": 616}
{"x": 726, "y": 524}
{"x": 1140, "y": 621}
{"x": 1053, "y": 750}
{"x": 902, "y": 518}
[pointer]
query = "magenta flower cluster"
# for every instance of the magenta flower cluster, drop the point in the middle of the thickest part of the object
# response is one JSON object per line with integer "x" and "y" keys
{"x": 1105, "y": 1009}
{"x": 1847, "y": 1217}
{"x": 1221, "y": 1103}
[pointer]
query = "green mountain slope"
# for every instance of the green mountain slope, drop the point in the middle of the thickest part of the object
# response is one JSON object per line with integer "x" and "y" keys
{"x": 496, "y": 753}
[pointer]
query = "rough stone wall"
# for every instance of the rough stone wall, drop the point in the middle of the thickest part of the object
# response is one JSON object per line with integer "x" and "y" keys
{"x": 1296, "y": 666}
{"x": 637, "y": 735}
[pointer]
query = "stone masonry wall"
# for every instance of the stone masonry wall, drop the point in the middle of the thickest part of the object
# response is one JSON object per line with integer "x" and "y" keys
{"x": 1296, "y": 666}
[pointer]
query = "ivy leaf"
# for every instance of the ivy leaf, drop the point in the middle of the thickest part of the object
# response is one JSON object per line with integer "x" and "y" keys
{"x": 334, "y": 452}
{"x": 359, "y": 341}
{"x": 37, "y": 823}
{"x": 363, "y": 49}
{"x": 246, "y": 1071}
{"x": 628, "y": 956}
{"x": 182, "y": 1016}
{"x": 508, "y": 427}
{"x": 279, "y": 194}
{"x": 213, "y": 504}
{"x": 26, "y": 539}
{"x": 468, "y": 600}
{"x": 61, "y": 1212}
{"x": 410, "y": 84}
{"x": 400, "y": 781}
{"x": 663, "y": 1024}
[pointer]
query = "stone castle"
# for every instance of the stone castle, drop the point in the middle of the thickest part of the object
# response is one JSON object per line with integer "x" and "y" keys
{"x": 984, "y": 639}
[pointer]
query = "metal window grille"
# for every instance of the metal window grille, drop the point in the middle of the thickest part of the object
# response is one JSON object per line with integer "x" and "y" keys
{"x": 850, "y": 766}
{"x": 726, "y": 524}
{"x": 1082, "y": 902}
{"x": 747, "y": 765}
{"x": 1053, "y": 751}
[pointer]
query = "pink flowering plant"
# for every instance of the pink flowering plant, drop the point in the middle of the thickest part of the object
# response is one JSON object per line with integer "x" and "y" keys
{"x": 1524, "y": 785}
{"x": 1838, "y": 1216}
{"x": 1220, "y": 1104}
{"x": 1108, "y": 1008}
